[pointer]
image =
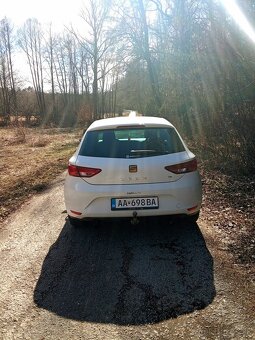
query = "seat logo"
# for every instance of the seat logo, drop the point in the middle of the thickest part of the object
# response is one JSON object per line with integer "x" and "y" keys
{"x": 133, "y": 168}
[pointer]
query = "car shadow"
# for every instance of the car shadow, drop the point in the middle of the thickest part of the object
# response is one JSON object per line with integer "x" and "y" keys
{"x": 123, "y": 274}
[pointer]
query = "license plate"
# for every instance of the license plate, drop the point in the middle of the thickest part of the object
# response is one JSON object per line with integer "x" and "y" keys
{"x": 134, "y": 203}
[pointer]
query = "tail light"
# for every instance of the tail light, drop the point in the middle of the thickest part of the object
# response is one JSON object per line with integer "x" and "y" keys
{"x": 81, "y": 171}
{"x": 183, "y": 168}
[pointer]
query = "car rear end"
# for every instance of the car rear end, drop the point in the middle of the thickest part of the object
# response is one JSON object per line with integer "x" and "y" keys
{"x": 123, "y": 167}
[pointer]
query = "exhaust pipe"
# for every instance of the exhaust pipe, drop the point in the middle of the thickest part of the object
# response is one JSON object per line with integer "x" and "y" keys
{"x": 134, "y": 220}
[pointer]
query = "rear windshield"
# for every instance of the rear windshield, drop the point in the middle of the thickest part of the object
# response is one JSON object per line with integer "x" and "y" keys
{"x": 131, "y": 143}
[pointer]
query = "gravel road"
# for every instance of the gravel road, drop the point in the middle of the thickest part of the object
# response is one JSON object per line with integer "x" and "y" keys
{"x": 155, "y": 280}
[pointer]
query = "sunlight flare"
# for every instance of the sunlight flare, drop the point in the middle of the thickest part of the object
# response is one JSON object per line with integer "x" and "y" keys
{"x": 234, "y": 10}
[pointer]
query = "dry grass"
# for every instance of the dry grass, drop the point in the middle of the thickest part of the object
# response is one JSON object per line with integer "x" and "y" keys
{"x": 30, "y": 160}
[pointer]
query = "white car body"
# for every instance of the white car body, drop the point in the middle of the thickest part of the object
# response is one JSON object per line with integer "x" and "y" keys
{"x": 131, "y": 184}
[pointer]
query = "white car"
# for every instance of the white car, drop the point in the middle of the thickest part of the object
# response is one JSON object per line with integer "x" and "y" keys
{"x": 133, "y": 167}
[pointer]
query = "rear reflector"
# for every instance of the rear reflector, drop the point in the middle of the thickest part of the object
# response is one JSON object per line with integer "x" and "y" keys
{"x": 183, "y": 168}
{"x": 192, "y": 208}
{"x": 75, "y": 212}
{"x": 81, "y": 171}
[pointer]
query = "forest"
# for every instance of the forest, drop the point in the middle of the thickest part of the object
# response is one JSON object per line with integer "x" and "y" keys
{"x": 186, "y": 60}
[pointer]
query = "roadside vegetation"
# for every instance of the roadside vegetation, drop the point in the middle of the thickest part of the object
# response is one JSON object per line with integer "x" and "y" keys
{"x": 228, "y": 207}
{"x": 30, "y": 160}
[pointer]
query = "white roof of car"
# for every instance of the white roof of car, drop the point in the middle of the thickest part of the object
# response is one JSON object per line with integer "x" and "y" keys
{"x": 113, "y": 123}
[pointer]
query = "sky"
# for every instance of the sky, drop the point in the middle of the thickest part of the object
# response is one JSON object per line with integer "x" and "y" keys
{"x": 60, "y": 12}
{"x": 63, "y": 12}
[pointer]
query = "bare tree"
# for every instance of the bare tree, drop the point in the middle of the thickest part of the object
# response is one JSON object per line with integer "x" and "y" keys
{"x": 30, "y": 40}
{"x": 97, "y": 43}
{"x": 49, "y": 57}
{"x": 135, "y": 26}
{"x": 7, "y": 78}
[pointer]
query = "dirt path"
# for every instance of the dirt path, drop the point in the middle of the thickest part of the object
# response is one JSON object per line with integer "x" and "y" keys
{"x": 116, "y": 281}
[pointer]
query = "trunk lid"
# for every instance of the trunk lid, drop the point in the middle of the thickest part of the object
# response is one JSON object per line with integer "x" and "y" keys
{"x": 119, "y": 171}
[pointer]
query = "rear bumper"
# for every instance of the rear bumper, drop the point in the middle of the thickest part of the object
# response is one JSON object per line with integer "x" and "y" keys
{"x": 94, "y": 201}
